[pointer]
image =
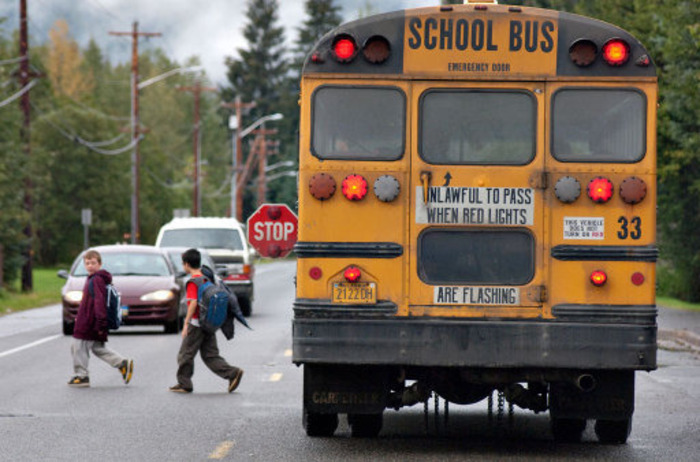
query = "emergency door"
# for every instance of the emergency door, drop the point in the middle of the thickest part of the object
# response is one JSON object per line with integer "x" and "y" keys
{"x": 477, "y": 209}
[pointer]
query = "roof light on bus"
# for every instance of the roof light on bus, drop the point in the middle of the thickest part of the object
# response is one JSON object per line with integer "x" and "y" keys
{"x": 616, "y": 52}
{"x": 352, "y": 274}
{"x": 600, "y": 189}
{"x": 643, "y": 61}
{"x": 599, "y": 278}
{"x": 322, "y": 186}
{"x": 376, "y": 49}
{"x": 633, "y": 190}
{"x": 354, "y": 187}
{"x": 344, "y": 48}
{"x": 583, "y": 52}
{"x": 567, "y": 189}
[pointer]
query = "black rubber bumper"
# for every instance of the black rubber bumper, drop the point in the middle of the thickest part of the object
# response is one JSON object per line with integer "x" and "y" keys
{"x": 474, "y": 343}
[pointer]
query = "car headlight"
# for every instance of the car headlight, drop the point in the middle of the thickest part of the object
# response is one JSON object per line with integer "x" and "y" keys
{"x": 74, "y": 296}
{"x": 158, "y": 296}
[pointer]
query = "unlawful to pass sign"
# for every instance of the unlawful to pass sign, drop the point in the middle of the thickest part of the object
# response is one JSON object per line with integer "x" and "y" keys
{"x": 272, "y": 230}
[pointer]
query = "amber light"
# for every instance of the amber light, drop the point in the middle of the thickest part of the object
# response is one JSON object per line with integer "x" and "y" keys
{"x": 352, "y": 274}
{"x": 583, "y": 52}
{"x": 344, "y": 48}
{"x": 600, "y": 189}
{"x": 598, "y": 278}
{"x": 377, "y": 49}
{"x": 354, "y": 187}
{"x": 616, "y": 52}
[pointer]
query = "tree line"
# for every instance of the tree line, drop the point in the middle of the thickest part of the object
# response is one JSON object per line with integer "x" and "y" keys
{"x": 82, "y": 104}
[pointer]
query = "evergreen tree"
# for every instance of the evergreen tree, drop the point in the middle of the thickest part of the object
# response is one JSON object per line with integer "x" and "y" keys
{"x": 260, "y": 74}
{"x": 322, "y": 16}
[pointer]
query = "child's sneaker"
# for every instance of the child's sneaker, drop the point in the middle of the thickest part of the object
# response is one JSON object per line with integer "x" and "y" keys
{"x": 179, "y": 389}
{"x": 235, "y": 381}
{"x": 127, "y": 370}
{"x": 79, "y": 382}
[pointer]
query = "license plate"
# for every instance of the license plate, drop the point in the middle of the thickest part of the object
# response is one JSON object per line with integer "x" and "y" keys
{"x": 125, "y": 311}
{"x": 354, "y": 292}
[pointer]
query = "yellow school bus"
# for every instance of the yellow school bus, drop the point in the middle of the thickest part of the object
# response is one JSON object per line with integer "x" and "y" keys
{"x": 477, "y": 194}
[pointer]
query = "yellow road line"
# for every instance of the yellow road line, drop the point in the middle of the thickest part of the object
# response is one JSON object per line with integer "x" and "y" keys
{"x": 275, "y": 377}
{"x": 287, "y": 353}
{"x": 222, "y": 450}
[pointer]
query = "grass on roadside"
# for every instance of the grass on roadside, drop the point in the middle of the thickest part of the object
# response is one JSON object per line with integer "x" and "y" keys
{"x": 47, "y": 291}
{"x": 668, "y": 302}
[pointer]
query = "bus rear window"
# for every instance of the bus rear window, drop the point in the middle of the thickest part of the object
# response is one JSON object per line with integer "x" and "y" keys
{"x": 477, "y": 127}
{"x": 598, "y": 125}
{"x": 476, "y": 257}
{"x": 360, "y": 123}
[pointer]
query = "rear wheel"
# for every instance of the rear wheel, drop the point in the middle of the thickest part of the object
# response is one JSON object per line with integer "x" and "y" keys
{"x": 365, "y": 425}
{"x": 320, "y": 424}
{"x": 172, "y": 327}
{"x": 246, "y": 306}
{"x": 613, "y": 431}
{"x": 68, "y": 328}
{"x": 568, "y": 430}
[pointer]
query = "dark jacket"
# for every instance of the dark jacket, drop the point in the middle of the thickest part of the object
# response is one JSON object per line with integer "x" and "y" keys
{"x": 91, "y": 321}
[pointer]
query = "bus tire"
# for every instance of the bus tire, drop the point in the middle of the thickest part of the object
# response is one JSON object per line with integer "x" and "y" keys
{"x": 317, "y": 424}
{"x": 613, "y": 431}
{"x": 567, "y": 430}
{"x": 365, "y": 425}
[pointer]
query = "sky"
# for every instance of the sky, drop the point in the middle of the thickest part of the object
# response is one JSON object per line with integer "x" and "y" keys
{"x": 210, "y": 29}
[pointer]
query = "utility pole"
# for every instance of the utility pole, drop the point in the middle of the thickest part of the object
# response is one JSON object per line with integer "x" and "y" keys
{"x": 135, "y": 128}
{"x": 197, "y": 90}
{"x": 262, "y": 162}
{"x": 236, "y": 207}
{"x": 25, "y": 76}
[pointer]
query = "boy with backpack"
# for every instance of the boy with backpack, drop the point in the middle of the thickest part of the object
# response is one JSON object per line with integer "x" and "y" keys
{"x": 91, "y": 325}
{"x": 197, "y": 338}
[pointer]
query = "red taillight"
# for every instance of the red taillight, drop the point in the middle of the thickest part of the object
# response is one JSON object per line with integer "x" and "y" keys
{"x": 315, "y": 273}
{"x": 354, "y": 187}
{"x": 344, "y": 48}
{"x": 598, "y": 278}
{"x": 637, "y": 279}
{"x": 352, "y": 274}
{"x": 616, "y": 52}
{"x": 600, "y": 189}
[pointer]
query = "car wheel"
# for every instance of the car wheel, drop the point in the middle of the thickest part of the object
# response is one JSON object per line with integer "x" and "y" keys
{"x": 68, "y": 328}
{"x": 172, "y": 327}
{"x": 567, "y": 430}
{"x": 246, "y": 306}
{"x": 365, "y": 425}
{"x": 613, "y": 431}
{"x": 320, "y": 424}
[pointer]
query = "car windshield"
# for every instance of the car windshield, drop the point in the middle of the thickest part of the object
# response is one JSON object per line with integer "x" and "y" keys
{"x": 208, "y": 238}
{"x": 129, "y": 264}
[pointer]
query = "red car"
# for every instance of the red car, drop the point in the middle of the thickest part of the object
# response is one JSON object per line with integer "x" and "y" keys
{"x": 145, "y": 278}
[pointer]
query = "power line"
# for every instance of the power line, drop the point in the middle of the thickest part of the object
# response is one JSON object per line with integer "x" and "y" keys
{"x": 10, "y": 61}
{"x": 24, "y": 90}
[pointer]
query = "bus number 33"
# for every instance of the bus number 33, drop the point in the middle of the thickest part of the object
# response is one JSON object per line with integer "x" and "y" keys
{"x": 631, "y": 228}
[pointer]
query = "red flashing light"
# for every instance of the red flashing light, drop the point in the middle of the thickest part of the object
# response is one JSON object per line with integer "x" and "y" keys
{"x": 352, "y": 274}
{"x": 599, "y": 278}
{"x": 354, "y": 187}
{"x": 600, "y": 189}
{"x": 616, "y": 52}
{"x": 344, "y": 48}
{"x": 637, "y": 279}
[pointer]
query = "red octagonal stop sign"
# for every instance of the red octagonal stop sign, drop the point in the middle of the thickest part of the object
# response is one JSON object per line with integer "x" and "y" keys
{"x": 272, "y": 230}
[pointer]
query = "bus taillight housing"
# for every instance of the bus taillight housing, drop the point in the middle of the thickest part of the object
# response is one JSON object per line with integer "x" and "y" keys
{"x": 352, "y": 274}
{"x": 599, "y": 278}
{"x": 600, "y": 190}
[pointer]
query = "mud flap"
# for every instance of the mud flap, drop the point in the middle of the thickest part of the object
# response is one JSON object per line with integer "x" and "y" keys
{"x": 611, "y": 399}
{"x": 330, "y": 389}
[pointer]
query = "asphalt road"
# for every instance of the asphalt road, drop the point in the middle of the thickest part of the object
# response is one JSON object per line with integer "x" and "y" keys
{"x": 42, "y": 419}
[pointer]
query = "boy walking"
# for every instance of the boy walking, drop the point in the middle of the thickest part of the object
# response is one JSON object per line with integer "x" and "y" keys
{"x": 195, "y": 339}
{"x": 90, "y": 332}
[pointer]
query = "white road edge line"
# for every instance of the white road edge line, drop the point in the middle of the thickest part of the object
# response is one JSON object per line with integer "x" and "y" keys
{"x": 29, "y": 345}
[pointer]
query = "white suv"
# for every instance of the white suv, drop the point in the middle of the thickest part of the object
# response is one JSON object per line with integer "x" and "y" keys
{"x": 225, "y": 241}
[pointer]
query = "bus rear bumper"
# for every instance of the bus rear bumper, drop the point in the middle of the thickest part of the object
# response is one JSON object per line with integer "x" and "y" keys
{"x": 474, "y": 343}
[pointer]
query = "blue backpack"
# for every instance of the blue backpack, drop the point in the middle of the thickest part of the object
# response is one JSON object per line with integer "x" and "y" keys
{"x": 213, "y": 304}
{"x": 113, "y": 305}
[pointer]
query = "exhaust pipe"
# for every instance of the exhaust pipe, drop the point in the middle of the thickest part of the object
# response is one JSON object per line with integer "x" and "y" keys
{"x": 585, "y": 382}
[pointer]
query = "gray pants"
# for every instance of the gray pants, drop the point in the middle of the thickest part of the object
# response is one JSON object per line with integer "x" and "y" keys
{"x": 198, "y": 340}
{"x": 81, "y": 355}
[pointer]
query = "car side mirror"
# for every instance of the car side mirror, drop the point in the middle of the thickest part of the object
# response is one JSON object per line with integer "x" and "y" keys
{"x": 62, "y": 274}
